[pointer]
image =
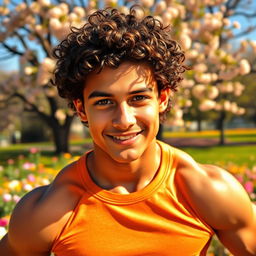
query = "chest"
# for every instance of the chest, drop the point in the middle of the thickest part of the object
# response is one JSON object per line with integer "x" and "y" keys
{"x": 152, "y": 227}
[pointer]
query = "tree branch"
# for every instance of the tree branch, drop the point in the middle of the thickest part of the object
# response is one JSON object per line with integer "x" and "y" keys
{"x": 21, "y": 39}
{"x": 33, "y": 107}
{"x": 12, "y": 50}
{"x": 45, "y": 44}
{"x": 248, "y": 15}
{"x": 231, "y": 5}
{"x": 243, "y": 33}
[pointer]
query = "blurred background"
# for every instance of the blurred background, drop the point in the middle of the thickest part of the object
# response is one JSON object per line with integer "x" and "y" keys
{"x": 214, "y": 110}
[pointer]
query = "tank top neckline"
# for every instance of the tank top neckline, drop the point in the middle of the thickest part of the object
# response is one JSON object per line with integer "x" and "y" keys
{"x": 131, "y": 198}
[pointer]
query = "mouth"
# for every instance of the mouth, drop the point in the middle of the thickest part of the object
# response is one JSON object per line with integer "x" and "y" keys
{"x": 124, "y": 138}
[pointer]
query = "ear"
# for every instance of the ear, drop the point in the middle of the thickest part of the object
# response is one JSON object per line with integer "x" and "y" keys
{"x": 164, "y": 96}
{"x": 79, "y": 105}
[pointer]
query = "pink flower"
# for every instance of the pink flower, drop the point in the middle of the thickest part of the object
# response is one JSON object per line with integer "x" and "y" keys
{"x": 239, "y": 177}
{"x": 3, "y": 222}
{"x": 249, "y": 186}
{"x": 28, "y": 166}
{"x": 7, "y": 197}
{"x": 31, "y": 178}
{"x": 16, "y": 198}
{"x": 33, "y": 150}
{"x": 10, "y": 161}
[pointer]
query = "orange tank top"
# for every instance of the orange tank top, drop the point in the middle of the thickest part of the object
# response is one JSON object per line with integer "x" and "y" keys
{"x": 149, "y": 222}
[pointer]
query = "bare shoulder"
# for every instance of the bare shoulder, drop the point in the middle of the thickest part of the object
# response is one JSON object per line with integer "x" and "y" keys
{"x": 41, "y": 214}
{"x": 215, "y": 194}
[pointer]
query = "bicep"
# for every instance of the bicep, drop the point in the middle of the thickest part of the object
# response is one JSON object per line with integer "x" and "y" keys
{"x": 241, "y": 240}
{"x": 24, "y": 234}
{"x": 6, "y": 248}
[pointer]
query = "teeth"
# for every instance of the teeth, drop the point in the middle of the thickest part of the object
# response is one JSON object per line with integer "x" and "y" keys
{"x": 124, "y": 137}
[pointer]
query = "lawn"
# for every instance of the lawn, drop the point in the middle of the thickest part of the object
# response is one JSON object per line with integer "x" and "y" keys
{"x": 234, "y": 135}
{"x": 224, "y": 155}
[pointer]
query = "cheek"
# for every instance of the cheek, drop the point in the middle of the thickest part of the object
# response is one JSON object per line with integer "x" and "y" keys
{"x": 150, "y": 115}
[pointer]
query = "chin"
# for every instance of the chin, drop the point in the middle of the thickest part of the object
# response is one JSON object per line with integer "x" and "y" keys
{"x": 127, "y": 156}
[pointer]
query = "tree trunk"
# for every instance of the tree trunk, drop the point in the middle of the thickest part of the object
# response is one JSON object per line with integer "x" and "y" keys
{"x": 199, "y": 121}
{"x": 159, "y": 135}
{"x": 199, "y": 125}
{"x": 61, "y": 135}
{"x": 221, "y": 127}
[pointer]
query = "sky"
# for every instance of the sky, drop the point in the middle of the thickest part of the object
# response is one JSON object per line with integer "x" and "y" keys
{"x": 13, "y": 63}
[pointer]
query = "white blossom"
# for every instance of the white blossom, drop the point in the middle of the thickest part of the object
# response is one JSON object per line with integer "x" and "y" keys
{"x": 240, "y": 111}
{"x": 244, "y": 67}
{"x": 198, "y": 91}
{"x": 236, "y": 25}
{"x": 207, "y": 105}
{"x": 60, "y": 115}
{"x": 147, "y": 3}
{"x": 160, "y": 7}
{"x": 185, "y": 41}
{"x": 79, "y": 11}
{"x": 212, "y": 92}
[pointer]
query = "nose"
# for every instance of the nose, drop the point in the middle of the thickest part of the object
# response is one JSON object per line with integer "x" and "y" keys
{"x": 124, "y": 117}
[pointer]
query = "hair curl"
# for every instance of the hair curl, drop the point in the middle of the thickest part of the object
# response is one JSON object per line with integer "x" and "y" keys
{"x": 110, "y": 38}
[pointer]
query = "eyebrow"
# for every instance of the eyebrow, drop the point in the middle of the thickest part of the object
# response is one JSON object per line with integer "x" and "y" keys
{"x": 97, "y": 94}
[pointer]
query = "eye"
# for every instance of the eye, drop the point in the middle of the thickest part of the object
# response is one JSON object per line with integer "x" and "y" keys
{"x": 103, "y": 102}
{"x": 139, "y": 97}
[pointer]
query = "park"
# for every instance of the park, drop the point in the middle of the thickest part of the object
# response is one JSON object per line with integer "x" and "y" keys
{"x": 213, "y": 112}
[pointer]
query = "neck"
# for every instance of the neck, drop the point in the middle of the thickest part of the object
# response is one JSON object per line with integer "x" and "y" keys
{"x": 124, "y": 177}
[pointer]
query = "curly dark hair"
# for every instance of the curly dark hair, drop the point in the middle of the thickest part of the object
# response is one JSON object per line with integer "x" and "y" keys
{"x": 110, "y": 38}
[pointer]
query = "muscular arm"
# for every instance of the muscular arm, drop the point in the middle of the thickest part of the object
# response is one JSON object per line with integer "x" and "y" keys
{"x": 220, "y": 200}
{"x": 241, "y": 239}
{"x": 25, "y": 236}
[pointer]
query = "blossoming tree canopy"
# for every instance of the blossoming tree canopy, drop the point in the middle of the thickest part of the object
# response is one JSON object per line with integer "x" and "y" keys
{"x": 205, "y": 28}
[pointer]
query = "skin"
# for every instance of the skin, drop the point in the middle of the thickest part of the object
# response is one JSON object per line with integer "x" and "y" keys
{"x": 122, "y": 108}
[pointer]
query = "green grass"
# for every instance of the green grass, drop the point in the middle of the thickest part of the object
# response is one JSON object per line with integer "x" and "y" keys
{"x": 242, "y": 135}
{"x": 222, "y": 155}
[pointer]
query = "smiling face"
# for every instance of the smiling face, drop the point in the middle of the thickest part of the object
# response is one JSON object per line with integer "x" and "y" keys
{"x": 122, "y": 108}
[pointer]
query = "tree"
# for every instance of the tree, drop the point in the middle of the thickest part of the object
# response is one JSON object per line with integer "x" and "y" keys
{"x": 215, "y": 58}
{"x": 204, "y": 28}
{"x": 247, "y": 100}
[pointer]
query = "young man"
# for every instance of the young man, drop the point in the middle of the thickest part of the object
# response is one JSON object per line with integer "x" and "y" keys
{"x": 131, "y": 194}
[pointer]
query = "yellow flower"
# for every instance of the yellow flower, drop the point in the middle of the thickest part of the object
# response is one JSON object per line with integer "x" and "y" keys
{"x": 14, "y": 185}
{"x": 67, "y": 155}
